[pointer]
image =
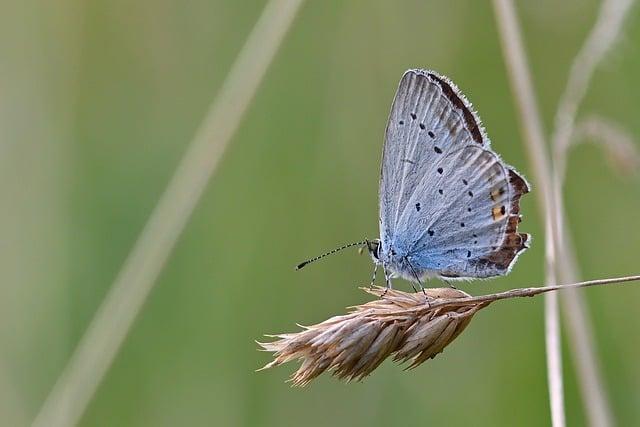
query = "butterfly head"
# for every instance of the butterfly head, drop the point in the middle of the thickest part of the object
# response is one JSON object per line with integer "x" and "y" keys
{"x": 375, "y": 248}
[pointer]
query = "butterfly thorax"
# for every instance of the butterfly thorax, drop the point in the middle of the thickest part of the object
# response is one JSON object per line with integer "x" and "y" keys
{"x": 396, "y": 261}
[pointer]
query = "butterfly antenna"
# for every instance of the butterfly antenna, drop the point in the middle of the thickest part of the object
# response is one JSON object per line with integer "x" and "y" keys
{"x": 309, "y": 261}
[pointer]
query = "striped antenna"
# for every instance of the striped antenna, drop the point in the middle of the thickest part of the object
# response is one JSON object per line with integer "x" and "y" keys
{"x": 309, "y": 261}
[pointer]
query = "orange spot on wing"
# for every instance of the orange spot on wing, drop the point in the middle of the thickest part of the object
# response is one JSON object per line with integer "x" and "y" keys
{"x": 497, "y": 212}
{"x": 496, "y": 193}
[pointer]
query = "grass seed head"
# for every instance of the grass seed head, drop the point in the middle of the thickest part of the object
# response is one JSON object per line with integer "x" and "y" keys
{"x": 411, "y": 328}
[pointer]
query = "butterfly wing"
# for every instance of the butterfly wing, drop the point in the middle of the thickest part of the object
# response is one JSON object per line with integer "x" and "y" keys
{"x": 448, "y": 204}
{"x": 472, "y": 230}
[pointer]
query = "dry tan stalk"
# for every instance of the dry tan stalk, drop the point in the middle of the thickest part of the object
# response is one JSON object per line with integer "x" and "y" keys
{"x": 409, "y": 327}
{"x": 532, "y": 130}
{"x": 601, "y": 39}
{"x": 560, "y": 255}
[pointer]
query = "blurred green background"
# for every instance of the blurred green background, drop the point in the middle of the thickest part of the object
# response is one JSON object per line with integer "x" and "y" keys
{"x": 98, "y": 101}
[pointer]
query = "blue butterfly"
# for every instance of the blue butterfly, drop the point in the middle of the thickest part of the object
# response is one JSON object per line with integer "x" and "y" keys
{"x": 449, "y": 206}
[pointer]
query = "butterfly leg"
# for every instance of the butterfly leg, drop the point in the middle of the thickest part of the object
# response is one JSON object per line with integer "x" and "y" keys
{"x": 418, "y": 279}
{"x": 387, "y": 280}
{"x": 373, "y": 279}
{"x": 414, "y": 273}
{"x": 449, "y": 284}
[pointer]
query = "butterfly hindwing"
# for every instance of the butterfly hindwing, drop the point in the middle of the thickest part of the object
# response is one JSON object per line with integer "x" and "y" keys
{"x": 472, "y": 230}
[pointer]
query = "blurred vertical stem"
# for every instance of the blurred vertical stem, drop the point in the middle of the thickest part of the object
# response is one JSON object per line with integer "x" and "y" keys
{"x": 92, "y": 358}
{"x": 40, "y": 48}
{"x": 600, "y": 40}
{"x": 522, "y": 87}
{"x": 602, "y": 37}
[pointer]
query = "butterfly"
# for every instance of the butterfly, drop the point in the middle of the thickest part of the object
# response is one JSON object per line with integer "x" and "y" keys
{"x": 449, "y": 206}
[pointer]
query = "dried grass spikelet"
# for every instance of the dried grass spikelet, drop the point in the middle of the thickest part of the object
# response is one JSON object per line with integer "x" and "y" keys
{"x": 402, "y": 325}
{"x": 399, "y": 324}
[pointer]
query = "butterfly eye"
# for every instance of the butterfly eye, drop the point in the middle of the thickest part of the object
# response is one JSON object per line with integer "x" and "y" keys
{"x": 374, "y": 247}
